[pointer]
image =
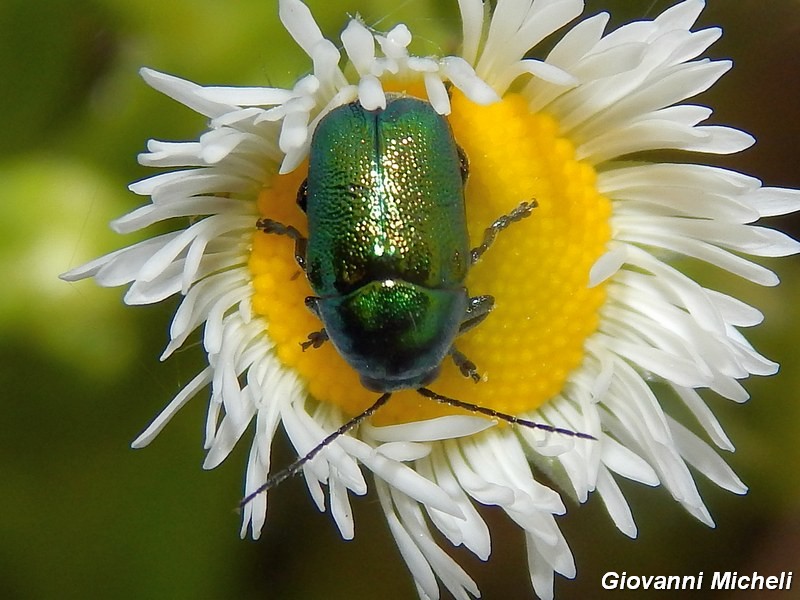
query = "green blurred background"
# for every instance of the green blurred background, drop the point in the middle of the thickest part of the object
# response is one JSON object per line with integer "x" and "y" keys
{"x": 82, "y": 515}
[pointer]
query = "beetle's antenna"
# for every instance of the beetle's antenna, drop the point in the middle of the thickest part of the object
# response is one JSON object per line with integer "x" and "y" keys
{"x": 490, "y": 412}
{"x": 295, "y": 467}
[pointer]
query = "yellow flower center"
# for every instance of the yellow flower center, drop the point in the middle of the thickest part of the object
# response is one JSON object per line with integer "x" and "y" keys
{"x": 537, "y": 270}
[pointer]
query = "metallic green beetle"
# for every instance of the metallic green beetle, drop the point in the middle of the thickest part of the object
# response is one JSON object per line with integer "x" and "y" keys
{"x": 388, "y": 249}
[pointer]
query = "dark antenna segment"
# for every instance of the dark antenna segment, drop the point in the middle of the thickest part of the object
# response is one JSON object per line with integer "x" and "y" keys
{"x": 295, "y": 467}
{"x": 490, "y": 412}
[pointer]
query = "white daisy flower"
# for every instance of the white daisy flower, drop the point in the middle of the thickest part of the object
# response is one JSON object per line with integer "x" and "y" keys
{"x": 590, "y": 319}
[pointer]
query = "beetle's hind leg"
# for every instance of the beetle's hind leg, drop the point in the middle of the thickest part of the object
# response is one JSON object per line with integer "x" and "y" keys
{"x": 300, "y": 242}
{"x": 522, "y": 211}
{"x": 315, "y": 338}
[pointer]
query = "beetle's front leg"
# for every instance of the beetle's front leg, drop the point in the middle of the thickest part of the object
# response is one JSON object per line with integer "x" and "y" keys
{"x": 315, "y": 338}
{"x": 300, "y": 242}
{"x": 523, "y": 210}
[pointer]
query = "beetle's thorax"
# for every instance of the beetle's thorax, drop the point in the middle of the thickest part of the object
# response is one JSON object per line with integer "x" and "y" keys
{"x": 394, "y": 333}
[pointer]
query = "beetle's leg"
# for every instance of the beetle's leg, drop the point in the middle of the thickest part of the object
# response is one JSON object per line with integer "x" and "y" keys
{"x": 315, "y": 338}
{"x": 523, "y": 210}
{"x": 463, "y": 163}
{"x": 465, "y": 365}
{"x": 478, "y": 309}
{"x": 302, "y": 195}
{"x": 270, "y": 226}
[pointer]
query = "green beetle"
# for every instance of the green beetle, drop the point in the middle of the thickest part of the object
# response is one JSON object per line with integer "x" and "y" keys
{"x": 388, "y": 249}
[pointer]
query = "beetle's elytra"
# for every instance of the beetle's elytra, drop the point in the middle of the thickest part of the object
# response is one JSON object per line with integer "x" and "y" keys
{"x": 388, "y": 250}
{"x": 388, "y": 246}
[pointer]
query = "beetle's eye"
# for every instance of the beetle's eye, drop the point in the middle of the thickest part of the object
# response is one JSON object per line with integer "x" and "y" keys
{"x": 464, "y": 163}
{"x": 302, "y": 195}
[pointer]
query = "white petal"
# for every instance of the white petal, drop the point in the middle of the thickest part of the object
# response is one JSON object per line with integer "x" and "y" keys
{"x": 245, "y": 96}
{"x": 776, "y": 201}
{"x": 340, "y": 506}
{"x": 472, "y": 13}
{"x": 704, "y": 459}
{"x": 440, "y": 428}
{"x": 187, "y": 93}
{"x": 360, "y": 46}
{"x": 681, "y": 16}
{"x": 299, "y": 22}
{"x": 673, "y": 368}
{"x": 705, "y": 417}
{"x": 483, "y": 491}
{"x": 408, "y": 481}
{"x": 201, "y": 380}
{"x": 370, "y": 93}
{"x": 607, "y": 265}
{"x": 437, "y": 93}
{"x": 403, "y": 451}
{"x": 463, "y": 76}
{"x": 414, "y": 558}
{"x": 616, "y": 505}
{"x": 625, "y": 462}
{"x": 579, "y": 40}
{"x": 447, "y": 570}
{"x": 471, "y": 530}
